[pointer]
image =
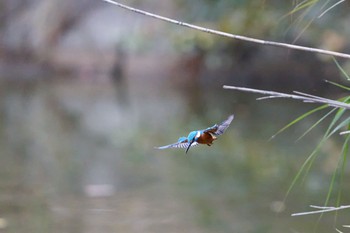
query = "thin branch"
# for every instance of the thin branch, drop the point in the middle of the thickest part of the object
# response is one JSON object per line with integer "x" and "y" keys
{"x": 308, "y": 95}
{"x": 299, "y": 96}
{"x": 322, "y": 209}
{"x": 344, "y": 132}
{"x": 229, "y": 35}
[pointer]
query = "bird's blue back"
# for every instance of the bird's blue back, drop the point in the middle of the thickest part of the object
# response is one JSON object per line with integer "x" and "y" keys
{"x": 192, "y": 135}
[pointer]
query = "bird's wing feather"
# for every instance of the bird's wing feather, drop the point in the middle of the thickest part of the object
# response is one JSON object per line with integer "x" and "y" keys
{"x": 220, "y": 128}
{"x": 224, "y": 125}
{"x": 177, "y": 145}
{"x": 211, "y": 129}
{"x": 215, "y": 129}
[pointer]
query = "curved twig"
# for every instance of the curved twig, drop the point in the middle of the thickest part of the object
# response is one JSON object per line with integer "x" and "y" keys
{"x": 321, "y": 209}
{"x": 298, "y": 96}
{"x": 229, "y": 35}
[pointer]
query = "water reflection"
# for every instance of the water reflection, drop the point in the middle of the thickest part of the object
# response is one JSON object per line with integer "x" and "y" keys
{"x": 76, "y": 160}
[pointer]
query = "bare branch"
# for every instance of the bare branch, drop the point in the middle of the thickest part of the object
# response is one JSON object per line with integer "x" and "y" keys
{"x": 229, "y": 35}
{"x": 322, "y": 209}
{"x": 298, "y": 96}
{"x": 344, "y": 132}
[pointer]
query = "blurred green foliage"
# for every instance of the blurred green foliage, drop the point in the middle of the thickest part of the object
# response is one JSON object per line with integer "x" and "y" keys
{"x": 271, "y": 20}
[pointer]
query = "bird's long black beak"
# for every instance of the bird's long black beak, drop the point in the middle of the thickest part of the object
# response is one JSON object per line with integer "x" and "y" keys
{"x": 189, "y": 146}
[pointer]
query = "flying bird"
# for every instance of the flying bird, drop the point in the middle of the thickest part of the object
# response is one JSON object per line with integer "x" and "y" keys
{"x": 204, "y": 136}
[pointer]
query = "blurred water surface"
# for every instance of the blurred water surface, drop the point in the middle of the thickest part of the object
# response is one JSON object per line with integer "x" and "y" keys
{"x": 87, "y": 90}
{"x": 76, "y": 157}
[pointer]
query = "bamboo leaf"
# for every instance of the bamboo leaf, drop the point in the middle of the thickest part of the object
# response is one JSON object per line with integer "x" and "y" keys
{"x": 345, "y": 151}
{"x": 329, "y": 132}
{"x": 341, "y": 69}
{"x": 317, "y": 122}
{"x": 299, "y": 119}
{"x": 302, "y": 6}
{"x": 340, "y": 125}
{"x": 338, "y": 85}
{"x": 302, "y": 168}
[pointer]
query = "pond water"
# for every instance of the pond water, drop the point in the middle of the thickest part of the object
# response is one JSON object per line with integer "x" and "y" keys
{"x": 78, "y": 156}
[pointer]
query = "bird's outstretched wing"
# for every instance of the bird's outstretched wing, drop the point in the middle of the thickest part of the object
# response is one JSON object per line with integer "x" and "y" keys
{"x": 219, "y": 129}
{"x": 181, "y": 143}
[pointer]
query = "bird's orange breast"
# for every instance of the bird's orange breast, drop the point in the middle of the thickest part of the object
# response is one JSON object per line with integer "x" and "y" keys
{"x": 206, "y": 138}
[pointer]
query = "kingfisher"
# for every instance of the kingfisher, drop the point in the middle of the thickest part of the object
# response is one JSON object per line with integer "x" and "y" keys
{"x": 204, "y": 136}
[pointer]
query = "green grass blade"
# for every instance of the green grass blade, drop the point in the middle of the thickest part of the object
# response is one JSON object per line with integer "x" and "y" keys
{"x": 340, "y": 125}
{"x": 345, "y": 99}
{"x": 299, "y": 119}
{"x": 327, "y": 135}
{"x": 302, "y": 169}
{"x": 337, "y": 116}
{"x": 345, "y": 151}
{"x": 310, "y": 160}
{"x": 337, "y": 173}
{"x": 338, "y": 85}
{"x": 303, "y": 30}
{"x": 330, "y": 190}
{"x": 315, "y": 124}
{"x": 341, "y": 69}
{"x": 302, "y": 6}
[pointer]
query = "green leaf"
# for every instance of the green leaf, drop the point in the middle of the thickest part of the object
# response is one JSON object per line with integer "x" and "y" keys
{"x": 306, "y": 166}
{"x": 341, "y": 69}
{"x": 299, "y": 119}
{"x": 342, "y": 124}
{"x": 338, "y": 85}
{"x": 301, "y": 170}
{"x": 302, "y": 6}
{"x": 317, "y": 122}
{"x": 345, "y": 151}
{"x": 337, "y": 173}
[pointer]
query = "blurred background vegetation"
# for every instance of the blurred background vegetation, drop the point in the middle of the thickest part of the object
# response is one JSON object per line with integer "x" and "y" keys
{"x": 87, "y": 90}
